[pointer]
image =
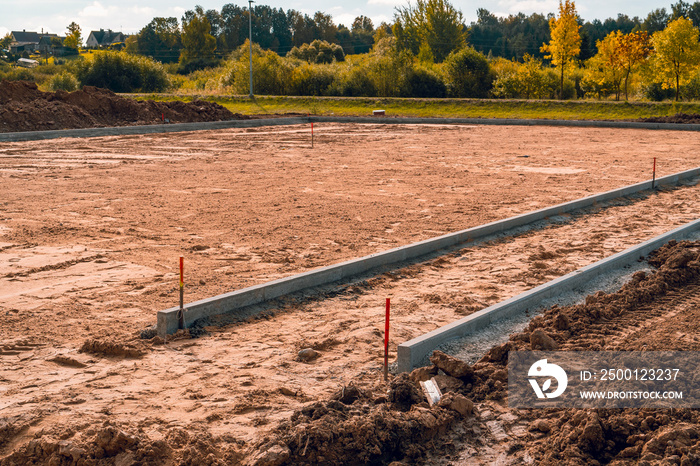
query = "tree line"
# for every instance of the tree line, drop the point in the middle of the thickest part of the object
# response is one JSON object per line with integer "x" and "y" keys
{"x": 426, "y": 52}
{"x": 434, "y": 24}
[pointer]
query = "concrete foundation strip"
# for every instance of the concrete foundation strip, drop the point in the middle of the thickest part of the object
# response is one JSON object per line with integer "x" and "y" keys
{"x": 167, "y": 321}
{"x": 413, "y": 352}
{"x": 283, "y": 121}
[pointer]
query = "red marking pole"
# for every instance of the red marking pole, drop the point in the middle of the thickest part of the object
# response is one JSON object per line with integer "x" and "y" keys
{"x": 312, "y": 134}
{"x": 653, "y": 174}
{"x": 386, "y": 341}
{"x": 181, "y": 313}
{"x": 162, "y": 117}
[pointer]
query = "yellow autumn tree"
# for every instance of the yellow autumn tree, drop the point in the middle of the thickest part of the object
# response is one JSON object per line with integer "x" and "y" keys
{"x": 565, "y": 42}
{"x": 634, "y": 48}
{"x": 677, "y": 52}
{"x": 606, "y": 68}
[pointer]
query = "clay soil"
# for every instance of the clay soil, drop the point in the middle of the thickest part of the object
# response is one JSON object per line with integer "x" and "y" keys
{"x": 90, "y": 235}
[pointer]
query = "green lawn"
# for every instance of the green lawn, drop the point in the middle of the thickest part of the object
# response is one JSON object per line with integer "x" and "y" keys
{"x": 443, "y": 108}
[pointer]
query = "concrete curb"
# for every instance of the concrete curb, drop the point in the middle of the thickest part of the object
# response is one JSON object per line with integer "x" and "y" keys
{"x": 167, "y": 321}
{"x": 148, "y": 129}
{"x": 414, "y": 351}
{"x": 253, "y": 123}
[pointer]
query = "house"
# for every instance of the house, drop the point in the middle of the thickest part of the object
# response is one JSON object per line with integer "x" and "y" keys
{"x": 24, "y": 41}
{"x": 27, "y": 41}
{"x": 104, "y": 39}
{"x": 52, "y": 44}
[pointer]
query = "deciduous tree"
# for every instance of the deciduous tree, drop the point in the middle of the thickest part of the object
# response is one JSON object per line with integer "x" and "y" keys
{"x": 74, "y": 38}
{"x": 677, "y": 52}
{"x": 635, "y": 47}
{"x": 607, "y": 66}
{"x": 433, "y": 22}
{"x": 565, "y": 43}
{"x": 197, "y": 42}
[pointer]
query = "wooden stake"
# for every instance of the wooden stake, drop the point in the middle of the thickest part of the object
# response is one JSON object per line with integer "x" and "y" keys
{"x": 181, "y": 314}
{"x": 386, "y": 341}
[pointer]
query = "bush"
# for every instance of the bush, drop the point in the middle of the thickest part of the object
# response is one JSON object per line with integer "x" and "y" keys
{"x": 311, "y": 80}
{"x": 197, "y": 64}
{"x": 468, "y": 74}
{"x": 318, "y": 51}
{"x": 19, "y": 74}
{"x": 271, "y": 73}
{"x": 423, "y": 83}
{"x": 657, "y": 93}
{"x": 354, "y": 83}
{"x": 120, "y": 72}
{"x": 64, "y": 81}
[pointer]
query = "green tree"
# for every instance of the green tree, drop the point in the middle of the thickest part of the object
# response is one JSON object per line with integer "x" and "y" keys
{"x": 433, "y": 22}
{"x": 197, "y": 42}
{"x": 159, "y": 39}
{"x": 6, "y": 41}
{"x": 468, "y": 74}
{"x": 74, "y": 38}
{"x": 565, "y": 43}
{"x": 677, "y": 52}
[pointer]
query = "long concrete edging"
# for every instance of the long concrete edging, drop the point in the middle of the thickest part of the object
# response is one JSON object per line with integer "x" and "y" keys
{"x": 283, "y": 121}
{"x": 167, "y": 320}
{"x": 412, "y": 352}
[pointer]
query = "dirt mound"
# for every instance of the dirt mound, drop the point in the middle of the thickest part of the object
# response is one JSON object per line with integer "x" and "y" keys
{"x": 111, "y": 348}
{"x": 595, "y": 436}
{"x": 25, "y": 108}
{"x": 367, "y": 431}
{"x": 112, "y": 445}
{"x": 687, "y": 118}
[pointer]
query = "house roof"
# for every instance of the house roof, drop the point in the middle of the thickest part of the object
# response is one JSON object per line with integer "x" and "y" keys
{"x": 107, "y": 37}
{"x": 24, "y": 36}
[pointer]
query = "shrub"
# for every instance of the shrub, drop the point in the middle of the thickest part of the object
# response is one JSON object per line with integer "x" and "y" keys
{"x": 64, "y": 81}
{"x": 311, "y": 80}
{"x": 355, "y": 82}
{"x": 423, "y": 83}
{"x": 468, "y": 74}
{"x": 121, "y": 72}
{"x": 657, "y": 93}
{"x": 271, "y": 73}
{"x": 197, "y": 64}
{"x": 318, "y": 51}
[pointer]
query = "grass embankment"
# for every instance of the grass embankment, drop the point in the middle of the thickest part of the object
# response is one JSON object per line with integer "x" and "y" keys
{"x": 442, "y": 108}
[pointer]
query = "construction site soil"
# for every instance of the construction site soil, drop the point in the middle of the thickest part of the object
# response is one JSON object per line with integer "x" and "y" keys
{"x": 90, "y": 235}
{"x": 23, "y": 107}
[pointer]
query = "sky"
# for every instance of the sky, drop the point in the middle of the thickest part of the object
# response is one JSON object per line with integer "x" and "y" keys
{"x": 129, "y": 16}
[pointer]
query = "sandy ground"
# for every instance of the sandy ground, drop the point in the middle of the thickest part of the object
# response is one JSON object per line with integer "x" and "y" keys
{"x": 91, "y": 231}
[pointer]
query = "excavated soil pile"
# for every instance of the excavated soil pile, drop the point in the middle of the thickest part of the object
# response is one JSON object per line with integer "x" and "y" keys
{"x": 603, "y": 322}
{"x": 688, "y": 118}
{"x": 23, "y": 107}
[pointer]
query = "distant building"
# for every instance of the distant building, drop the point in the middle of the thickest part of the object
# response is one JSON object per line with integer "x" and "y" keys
{"x": 27, "y": 63}
{"x": 104, "y": 39}
{"x": 23, "y": 41}
{"x": 52, "y": 45}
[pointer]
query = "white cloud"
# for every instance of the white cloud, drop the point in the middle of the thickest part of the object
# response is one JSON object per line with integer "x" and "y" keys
{"x": 96, "y": 10}
{"x": 528, "y": 6}
{"x": 4, "y": 31}
{"x": 391, "y": 3}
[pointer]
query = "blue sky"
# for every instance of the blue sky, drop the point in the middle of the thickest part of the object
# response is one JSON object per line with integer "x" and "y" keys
{"x": 129, "y": 16}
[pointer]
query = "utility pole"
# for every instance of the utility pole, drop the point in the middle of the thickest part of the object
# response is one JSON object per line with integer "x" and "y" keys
{"x": 250, "y": 39}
